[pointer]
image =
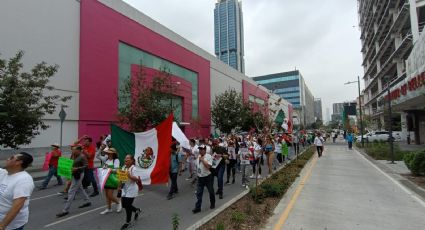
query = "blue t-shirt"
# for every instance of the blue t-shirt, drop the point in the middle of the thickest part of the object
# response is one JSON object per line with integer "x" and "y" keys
{"x": 175, "y": 160}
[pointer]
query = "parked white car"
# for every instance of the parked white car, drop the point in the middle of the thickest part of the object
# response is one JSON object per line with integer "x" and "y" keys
{"x": 378, "y": 136}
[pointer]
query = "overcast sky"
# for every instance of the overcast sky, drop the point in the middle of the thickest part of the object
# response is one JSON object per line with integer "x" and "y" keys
{"x": 318, "y": 37}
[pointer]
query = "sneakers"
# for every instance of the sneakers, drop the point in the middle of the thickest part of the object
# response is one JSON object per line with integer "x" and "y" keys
{"x": 119, "y": 207}
{"x": 170, "y": 196}
{"x": 61, "y": 214}
{"x": 227, "y": 182}
{"x": 252, "y": 176}
{"x": 233, "y": 181}
{"x": 125, "y": 226}
{"x": 88, "y": 204}
{"x": 220, "y": 196}
{"x": 94, "y": 194}
{"x": 136, "y": 215}
{"x": 212, "y": 206}
{"x": 41, "y": 188}
{"x": 259, "y": 177}
{"x": 106, "y": 211}
{"x": 196, "y": 210}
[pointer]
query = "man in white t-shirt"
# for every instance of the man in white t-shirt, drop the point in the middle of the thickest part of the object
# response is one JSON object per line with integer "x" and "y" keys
{"x": 203, "y": 165}
{"x": 16, "y": 186}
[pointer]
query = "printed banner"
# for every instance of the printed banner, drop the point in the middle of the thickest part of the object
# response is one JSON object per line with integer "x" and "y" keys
{"x": 65, "y": 167}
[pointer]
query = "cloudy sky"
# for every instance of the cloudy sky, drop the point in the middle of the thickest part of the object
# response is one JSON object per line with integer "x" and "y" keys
{"x": 318, "y": 37}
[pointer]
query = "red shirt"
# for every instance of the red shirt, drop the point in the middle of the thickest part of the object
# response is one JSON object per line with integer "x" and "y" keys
{"x": 90, "y": 152}
{"x": 54, "y": 159}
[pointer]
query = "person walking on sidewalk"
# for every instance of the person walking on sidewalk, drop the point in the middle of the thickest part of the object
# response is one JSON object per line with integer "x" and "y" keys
{"x": 350, "y": 139}
{"x": 53, "y": 166}
{"x": 204, "y": 163}
{"x": 80, "y": 163}
{"x": 175, "y": 170}
{"x": 318, "y": 142}
{"x": 296, "y": 144}
{"x": 16, "y": 187}
{"x": 218, "y": 167}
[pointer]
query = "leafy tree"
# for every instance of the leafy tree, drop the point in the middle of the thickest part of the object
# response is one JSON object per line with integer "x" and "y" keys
{"x": 25, "y": 97}
{"x": 227, "y": 110}
{"x": 145, "y": 103}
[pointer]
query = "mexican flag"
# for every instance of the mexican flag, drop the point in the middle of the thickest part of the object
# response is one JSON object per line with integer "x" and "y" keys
{"x": 151, "y": 150}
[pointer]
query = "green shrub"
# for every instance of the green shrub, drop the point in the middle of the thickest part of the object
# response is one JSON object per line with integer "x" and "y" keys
{"x": 238, "y": 217}
{"x": 415, "y": 161}
{"x": 220, "y": 226}
{"x": 272, "y": 189}
{"x": 382, "y": 151}
{"x": 257, "y": 195}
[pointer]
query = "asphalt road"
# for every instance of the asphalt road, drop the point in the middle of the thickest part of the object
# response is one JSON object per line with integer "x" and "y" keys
{"x": 345, "y": 191}
{"x": 157, "y": 211}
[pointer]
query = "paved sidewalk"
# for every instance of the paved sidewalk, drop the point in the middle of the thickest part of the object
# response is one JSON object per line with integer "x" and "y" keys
{"x": 345, "y": 191}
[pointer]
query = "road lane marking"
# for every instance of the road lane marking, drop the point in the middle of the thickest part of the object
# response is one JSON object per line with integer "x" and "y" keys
{"x": 411, "y": 194}
{"x": 39, "y": 198}
{"x": 285, "y": 214}
{"x": 78, "y": 215}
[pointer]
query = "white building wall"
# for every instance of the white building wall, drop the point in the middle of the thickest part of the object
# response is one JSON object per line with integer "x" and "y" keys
{"x": 46, "y": 30}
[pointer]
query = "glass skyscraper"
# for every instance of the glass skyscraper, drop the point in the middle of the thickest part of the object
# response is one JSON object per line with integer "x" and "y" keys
{"x": 228, "y": 33}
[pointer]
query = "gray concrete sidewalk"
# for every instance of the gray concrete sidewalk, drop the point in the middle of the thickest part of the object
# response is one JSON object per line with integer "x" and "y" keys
{"x": 346, "y": 191}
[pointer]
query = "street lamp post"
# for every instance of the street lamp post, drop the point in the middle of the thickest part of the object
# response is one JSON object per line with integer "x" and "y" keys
{"x": 390, "y": 127}
{"x": 360, "y": 108}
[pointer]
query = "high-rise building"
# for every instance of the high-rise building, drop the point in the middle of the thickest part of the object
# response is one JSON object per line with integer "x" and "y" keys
{"x": 228, "y": 33}
{"x": 291, "y": 87}
{"x": 390, "y": 30}
{"x": 318, "y": 109}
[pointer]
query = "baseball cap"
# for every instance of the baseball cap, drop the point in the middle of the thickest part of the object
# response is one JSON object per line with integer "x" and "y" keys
{"x": 202, "y": 147}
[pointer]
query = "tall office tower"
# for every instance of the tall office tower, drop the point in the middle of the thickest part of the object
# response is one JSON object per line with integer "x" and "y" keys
{"x": 318, "y": 109}
{"x": 228, "y": 33}
{"x": 292, "y": 87}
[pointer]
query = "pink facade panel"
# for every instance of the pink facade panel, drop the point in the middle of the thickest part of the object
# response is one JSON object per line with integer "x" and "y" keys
{"x": 249, "y": 89}
{"x": 101, "y": 31}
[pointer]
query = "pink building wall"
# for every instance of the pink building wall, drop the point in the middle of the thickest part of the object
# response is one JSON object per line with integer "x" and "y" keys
{"x": 101, "y": 31}
{"x": 256, "y": 91}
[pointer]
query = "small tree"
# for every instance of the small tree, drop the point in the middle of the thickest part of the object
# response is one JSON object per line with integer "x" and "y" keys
{"x": 25, "y": 98}
{"x": 226, "y": 110}
{"x": 145, "y": 103}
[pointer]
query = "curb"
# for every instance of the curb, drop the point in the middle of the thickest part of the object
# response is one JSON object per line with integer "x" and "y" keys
{"x": 210, "y": 216}
{"x": 286, "y": 197}
{"x": 409, "y": 185}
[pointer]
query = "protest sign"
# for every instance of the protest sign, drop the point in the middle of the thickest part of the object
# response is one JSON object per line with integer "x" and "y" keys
{"x": 65, "y": 167}
{"x": 122, "y": 175}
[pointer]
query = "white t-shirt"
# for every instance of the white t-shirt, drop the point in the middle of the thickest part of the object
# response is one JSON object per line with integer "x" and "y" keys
{"x": 130, "y": 188}
{"x": 12, "y": 187}
{"x": 277, "y": 147}
{"x": 201, "y": 169}
{"x": 318, "y": 141}
{"x": 115, "y": 163}
{"x": 257, "y": 150}
{"x": 244, "y": 156}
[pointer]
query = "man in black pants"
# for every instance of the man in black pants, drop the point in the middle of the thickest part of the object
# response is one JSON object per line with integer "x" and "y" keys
{"x": 204, "y": 163}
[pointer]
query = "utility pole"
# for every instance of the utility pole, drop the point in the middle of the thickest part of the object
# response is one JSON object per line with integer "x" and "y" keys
{"x": 390, "y": 124}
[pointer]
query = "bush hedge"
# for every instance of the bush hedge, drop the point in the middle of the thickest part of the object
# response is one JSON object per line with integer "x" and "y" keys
{"x": 278, "y": 184}
{"x": 415, "y": 161}
{"x": 380, "y": 150}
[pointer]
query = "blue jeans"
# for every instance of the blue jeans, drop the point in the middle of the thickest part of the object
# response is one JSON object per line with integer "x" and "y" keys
{"x": 89, "y": 179}
{"x": 205, "y": 182}
{"x": 219, "y": 172}
{"x": 53, "y": 171}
